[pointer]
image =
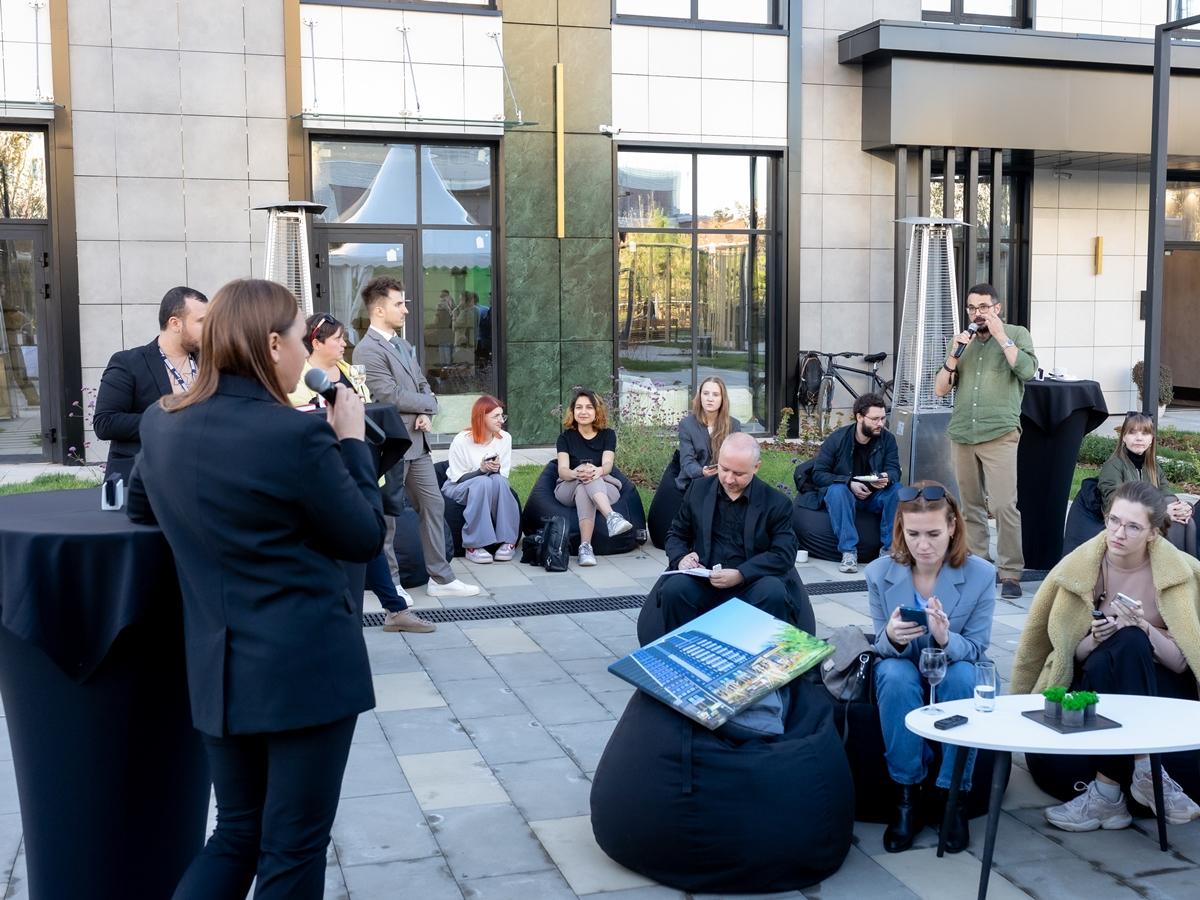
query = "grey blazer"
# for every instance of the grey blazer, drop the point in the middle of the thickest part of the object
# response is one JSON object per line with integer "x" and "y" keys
{"x": 693, "y": 448}
{"x": 393, "y": 379}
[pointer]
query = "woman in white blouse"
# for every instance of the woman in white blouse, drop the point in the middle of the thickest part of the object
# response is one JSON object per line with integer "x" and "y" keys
{"x": 477, "y": 477}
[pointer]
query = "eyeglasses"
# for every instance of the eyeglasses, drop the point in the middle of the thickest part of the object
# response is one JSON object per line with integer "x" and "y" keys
{"x": 929, "y": 492}
{"x": 980, "y": 309}
{"x": 1132, "y": 529}
{"x": 501, "y": 418}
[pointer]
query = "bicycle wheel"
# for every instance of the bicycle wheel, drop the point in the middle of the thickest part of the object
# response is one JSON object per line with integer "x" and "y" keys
{"x": 825, "y": 406}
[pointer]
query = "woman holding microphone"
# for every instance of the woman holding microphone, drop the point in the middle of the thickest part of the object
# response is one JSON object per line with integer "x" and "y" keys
{"x": 245, "y": 488}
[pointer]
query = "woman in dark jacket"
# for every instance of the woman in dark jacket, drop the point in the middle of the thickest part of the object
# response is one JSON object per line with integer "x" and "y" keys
{"x": 244, "y": 487}
{"x": 703, "y": 430}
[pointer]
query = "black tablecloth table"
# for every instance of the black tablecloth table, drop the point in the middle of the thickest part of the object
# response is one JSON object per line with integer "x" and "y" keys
{"x": 112, "y": 778}
{"x": 1055, "y": 416}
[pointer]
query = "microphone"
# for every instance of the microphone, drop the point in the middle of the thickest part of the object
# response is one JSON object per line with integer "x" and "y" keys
{"x": 318, "y": 381}
{"x": 958, "y": 351}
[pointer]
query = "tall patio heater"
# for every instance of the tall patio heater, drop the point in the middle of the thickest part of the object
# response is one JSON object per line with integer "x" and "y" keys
{"x": 287, "y": 247}
{"x": 929, "y": 323}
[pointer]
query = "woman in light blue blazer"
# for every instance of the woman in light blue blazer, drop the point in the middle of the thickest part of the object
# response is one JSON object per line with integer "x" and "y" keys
{"x": 703, "y": 430}
{"x": 930, "y": 568}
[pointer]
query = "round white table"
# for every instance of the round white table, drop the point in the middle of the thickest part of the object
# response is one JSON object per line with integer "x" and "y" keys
{"x": 1153, "y": 725}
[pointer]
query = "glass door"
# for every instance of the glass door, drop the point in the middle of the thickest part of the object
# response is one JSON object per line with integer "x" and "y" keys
{"x": 23, "y": 369}
{"x": 348, "y": 258}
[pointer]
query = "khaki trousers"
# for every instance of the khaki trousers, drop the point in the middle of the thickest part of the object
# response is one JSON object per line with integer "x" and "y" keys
{"x": 987, "y": 478}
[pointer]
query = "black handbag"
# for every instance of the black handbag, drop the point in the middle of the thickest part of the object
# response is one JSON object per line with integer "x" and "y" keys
{"x": 549, "y": 546}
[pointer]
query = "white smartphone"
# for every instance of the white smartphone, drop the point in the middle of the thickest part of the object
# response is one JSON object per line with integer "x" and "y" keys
{"x": 1128, "y": 602}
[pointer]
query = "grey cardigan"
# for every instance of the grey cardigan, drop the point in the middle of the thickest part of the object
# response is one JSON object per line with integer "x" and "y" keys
{"x": 693, "y": 448}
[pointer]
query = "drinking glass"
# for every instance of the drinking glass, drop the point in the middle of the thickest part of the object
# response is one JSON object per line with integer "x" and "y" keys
{"x": 985, "y": 686}
{"x": 358, "y": 377}
{"x": 933, "y": 667}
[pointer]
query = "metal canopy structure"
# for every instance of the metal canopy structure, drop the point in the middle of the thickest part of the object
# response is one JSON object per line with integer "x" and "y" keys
{"x": 1159, "y": 122}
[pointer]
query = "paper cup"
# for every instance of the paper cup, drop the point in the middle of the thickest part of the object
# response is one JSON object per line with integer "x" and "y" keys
{"x": 801, "y": 556}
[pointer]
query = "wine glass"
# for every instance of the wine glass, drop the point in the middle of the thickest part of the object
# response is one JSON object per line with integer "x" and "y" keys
{"x": 933, "y": 667}
{"x": 358, "y": 377}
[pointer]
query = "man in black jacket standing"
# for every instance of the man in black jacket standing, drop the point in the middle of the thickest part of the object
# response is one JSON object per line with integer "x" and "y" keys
{"x": 840, "y": 472}
{"x": 740, "y": 528}
{"x": 136, "y": 378}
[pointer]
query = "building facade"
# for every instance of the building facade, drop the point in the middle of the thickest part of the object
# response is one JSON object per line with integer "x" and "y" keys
{"x": 626, "y": 194}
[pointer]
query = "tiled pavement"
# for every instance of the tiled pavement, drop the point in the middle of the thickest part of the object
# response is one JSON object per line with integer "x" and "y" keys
{"x": 470, "y": 779}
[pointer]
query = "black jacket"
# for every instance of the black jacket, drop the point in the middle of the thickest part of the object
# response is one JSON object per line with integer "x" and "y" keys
{"x": 834, "y": 464}
{"x": 259, "y": 502}
{"x": 133, "y": 381}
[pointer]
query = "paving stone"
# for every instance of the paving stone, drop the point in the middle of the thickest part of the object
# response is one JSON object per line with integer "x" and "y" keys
{"x": 615, "y": 701}
{"x": 567, "y": 587}
{"x": 1063, "y": 877}
{"x": 406, "y": 690}
{"x": 592, "y": 672}
{"x": 860, "y": 877}
{"x": 506, "y": 739}
{"x": 620, "y": 645}
{"x": 427, "y": 879}
{"x": 504, "y": 575}
{"x": 367, "y": 730}
{"x": 608, "y": 580}
{"x": 451, "y": 779}
{"x": 8, "y": 786}
{"x": 5, "y": 746}
{"x": 423, "y": 731}
{"x": 601, "y": 624}
{"x": 372, "y": 769}
{"x": 381, "y": 829}
{"x": 455, "y": 664}
{"x": 547, "y": 788}
{"x": 1175, "y": 885}
{"x": 952, "y": 877}
{"x": 653, "y": 892}
{"x": 523, "y": 669}
{"x": 587, "y": 868}
{"x": 485, "y": 841}
{"x": 519, "y": 594}
{"x": 548, "y": 885}
{"x": 1125, "y": 852}
{"x": 10, "y": 845}
{"x": 574, "y": 644}
{"x": 495, "y": 640}
{"x": 584, "y": 741}
{"x": 388, "y": 652}
{"x": 480, "y": 697}
{"x": 559, "y": 704}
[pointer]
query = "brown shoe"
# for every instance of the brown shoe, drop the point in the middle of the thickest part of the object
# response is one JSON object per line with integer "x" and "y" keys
{"x": 407, "y": 620}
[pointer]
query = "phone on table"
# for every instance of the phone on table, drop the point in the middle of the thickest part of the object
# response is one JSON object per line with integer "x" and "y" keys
{"x": 914, "y": 615}
{"x": 950, "y": 722}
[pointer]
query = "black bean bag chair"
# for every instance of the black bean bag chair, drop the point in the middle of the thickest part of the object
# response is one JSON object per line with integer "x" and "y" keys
{"x": 455, "y": 510}
{"x": 410, "y": 558}
{"x": 542, "y": 503}
{"x": 701, "y": 811}
{"x": 814, "y": 532}
{"x": 667, "y": 500}
{"x": 1085, "y": 519}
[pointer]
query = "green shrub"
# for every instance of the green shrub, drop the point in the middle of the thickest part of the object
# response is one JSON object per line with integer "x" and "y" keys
{"x": 1095, "y": 450}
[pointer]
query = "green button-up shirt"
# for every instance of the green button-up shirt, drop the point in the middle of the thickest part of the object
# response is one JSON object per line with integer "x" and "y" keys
{"x": 988, "y": 393}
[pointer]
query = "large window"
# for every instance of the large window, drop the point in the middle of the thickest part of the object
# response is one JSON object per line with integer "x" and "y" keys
{"x": 1183, "y": 211}
{"x": 976, "y": 12}
{"x": 760, "y": 13}
{"x": 22, "y": 175}
{"x": 425, "y": 214}
{"x": 696, "y": 264}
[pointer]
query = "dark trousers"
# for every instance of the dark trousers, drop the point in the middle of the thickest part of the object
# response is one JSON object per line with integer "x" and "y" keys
{"x": 1124, "y": 664}
{"x": 277, "y": 794}
{"x": 684, "y": 597}
{"x": 379, "y": 581}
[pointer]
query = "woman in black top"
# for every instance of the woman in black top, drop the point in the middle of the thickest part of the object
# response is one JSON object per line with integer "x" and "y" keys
{"x": 586, "y": 450}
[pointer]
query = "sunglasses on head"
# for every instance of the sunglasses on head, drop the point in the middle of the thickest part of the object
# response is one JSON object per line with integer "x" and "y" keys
{"x": 929, "y": 492}
{"x": 324, "y": 317}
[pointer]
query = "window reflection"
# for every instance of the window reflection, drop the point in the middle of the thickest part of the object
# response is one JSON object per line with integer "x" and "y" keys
{"x": 756, "y": 12}
{"x": 1183, "y": 211}
{"x": 654, "y": 190}
{"x": 723, "y": 188}
{"x": 665, "y": 9}
{"x": 22, "y": 175}
{"x": 365, "y": 182}
{"x": 456, "y": 185}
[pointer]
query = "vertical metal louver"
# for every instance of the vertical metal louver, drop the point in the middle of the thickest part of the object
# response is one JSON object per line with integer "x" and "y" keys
{"x": 287, "y": 248}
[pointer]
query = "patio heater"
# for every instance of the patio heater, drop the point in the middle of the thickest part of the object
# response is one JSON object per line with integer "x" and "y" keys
{"x": 929, "y": 323}
{"x": 287, "y": 247}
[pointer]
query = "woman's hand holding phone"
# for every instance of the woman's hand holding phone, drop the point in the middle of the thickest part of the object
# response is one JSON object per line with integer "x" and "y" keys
{"x": 901, "y": 633}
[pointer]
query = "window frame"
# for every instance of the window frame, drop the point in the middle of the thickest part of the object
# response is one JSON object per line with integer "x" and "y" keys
{"x": 778, "y": 24}
{"x": 443, "y": 6}
{"x": 1019, "y": 19}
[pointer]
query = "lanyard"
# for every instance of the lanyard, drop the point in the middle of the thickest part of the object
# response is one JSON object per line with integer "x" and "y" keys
{"x": 174, "y": 372}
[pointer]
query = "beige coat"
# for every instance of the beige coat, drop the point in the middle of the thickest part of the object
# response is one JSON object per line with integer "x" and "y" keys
{"x": 1061, "y": 614}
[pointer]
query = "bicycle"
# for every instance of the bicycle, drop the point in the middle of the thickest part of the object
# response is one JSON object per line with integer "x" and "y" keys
{"x": 815, "y": 381}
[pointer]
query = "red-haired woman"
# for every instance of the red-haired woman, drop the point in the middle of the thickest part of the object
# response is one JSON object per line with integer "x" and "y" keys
{"x": 480, "y": 459}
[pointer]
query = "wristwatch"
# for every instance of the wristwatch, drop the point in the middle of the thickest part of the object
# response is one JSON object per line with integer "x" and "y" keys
{"x": 1009, "y": 343}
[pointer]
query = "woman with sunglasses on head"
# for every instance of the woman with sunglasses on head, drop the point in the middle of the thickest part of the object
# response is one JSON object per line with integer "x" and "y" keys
{"x": 1119, "y": 615}
{"x": 931, "y": 570}
{"x": 703, "y": 430}
{"x": 1136, "y": 459}
{"x": 477, "y": 477}
{"x": 325, "y": 341}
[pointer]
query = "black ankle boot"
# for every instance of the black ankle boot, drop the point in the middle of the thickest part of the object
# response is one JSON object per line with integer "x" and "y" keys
{"x": 906, "y": 823}
{"x": 959, "y": 836}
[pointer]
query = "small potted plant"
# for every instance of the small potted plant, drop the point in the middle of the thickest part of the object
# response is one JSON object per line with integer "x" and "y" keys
{"x": 1089, "y": 711}
{"x": 1054, "y": 698}
{"x": 1073, "y": 706}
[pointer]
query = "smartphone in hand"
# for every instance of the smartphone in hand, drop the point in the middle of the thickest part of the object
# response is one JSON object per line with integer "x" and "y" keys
{"x": 914, "y": 615}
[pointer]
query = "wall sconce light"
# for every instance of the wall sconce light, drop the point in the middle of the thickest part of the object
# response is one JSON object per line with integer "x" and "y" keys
{"x": 1100, "y": 254}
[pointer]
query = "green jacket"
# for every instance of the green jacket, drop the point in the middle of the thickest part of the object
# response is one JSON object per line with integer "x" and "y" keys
{"x": 1116, "y": 471}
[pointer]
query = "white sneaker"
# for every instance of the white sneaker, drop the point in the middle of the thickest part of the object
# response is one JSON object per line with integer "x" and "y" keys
{"x": 478, "y": 555}
{"x": 1089, "y": 811}
{"x": 404, "y": 595}
{"x": 1181, "y": 808}
{"x": 849, "y": 563}
{"x": 455, "y": 588}
{"x": 586, "y": 556}
{"x": 617, "y": 524}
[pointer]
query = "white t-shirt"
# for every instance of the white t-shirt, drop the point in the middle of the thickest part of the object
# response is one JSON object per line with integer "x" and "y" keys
{"x": 466, "y": 455}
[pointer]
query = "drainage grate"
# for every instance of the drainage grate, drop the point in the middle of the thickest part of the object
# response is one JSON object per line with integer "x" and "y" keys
{"x": 488, "y": 612}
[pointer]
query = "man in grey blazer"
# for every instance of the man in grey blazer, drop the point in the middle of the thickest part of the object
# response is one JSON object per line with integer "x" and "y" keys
{"x": 394, "y": 376}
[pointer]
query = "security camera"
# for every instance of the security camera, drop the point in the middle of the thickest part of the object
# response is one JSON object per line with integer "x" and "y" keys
{"x": 610, "y": 130}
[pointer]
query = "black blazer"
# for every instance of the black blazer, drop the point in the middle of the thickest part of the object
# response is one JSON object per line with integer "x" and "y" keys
{"x": 259, "y": 502}
{"x": 134, "y": 380}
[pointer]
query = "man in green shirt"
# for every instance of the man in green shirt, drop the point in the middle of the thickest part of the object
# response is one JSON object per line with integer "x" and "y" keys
{"x": 989, "y": 383}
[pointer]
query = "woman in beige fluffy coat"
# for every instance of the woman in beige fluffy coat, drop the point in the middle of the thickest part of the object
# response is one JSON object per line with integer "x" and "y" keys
{"x": 1150, "y": 646}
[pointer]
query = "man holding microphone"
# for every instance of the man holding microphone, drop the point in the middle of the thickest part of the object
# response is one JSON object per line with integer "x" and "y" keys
{"x": 987, "y": 365}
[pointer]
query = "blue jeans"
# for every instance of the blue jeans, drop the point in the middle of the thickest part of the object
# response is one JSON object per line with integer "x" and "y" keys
{"x": 379, "y": 581}
{"x": 842, "y": 505}
{"x": 899, "y": 689}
